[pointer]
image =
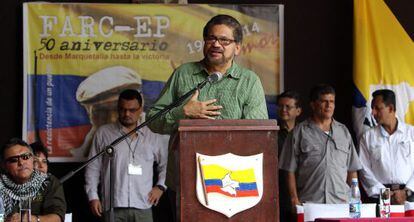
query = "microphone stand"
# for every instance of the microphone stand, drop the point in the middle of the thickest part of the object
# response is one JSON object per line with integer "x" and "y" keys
{"x": 109, "y": 150}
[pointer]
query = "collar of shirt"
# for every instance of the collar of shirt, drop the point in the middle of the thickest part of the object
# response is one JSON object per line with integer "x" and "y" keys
{"x": 335, "y": 132}
{"x": 334, "y": 125}
{"x": 400, "y": 129}
{"x": 122, "y": 129}
{"x": 283, "y": 126}
{"x": 232, "y": 72}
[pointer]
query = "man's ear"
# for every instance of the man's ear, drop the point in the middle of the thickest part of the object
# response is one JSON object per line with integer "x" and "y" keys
{"x": 299, "y": 111}
{"x": 238, "y": 49}
{"x": 391, "y": 108}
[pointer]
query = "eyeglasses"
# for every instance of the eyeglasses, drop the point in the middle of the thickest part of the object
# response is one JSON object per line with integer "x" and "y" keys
{"x": 287, "y": 107}
{"x": 223, "y": 41}
{"x": 15, "y": 159}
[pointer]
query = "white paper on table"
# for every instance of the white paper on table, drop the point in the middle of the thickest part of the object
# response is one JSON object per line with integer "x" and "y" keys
{"x": 313, "y": 211}
{"x": 369, "y": 210}
{"x": 408, "y": 206}
{"x": 397, "y": 209}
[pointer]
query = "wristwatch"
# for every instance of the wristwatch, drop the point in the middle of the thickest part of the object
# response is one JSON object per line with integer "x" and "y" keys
{"x": 161, "y": 187}
{"x": 408, "y": 192}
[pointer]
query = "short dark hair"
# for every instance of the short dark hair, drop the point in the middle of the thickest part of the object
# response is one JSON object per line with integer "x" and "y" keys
{"x": 291, "y": 95}
{"x": 319, "y": 90}
{"x": 13, "y": 142}
{"x": 228, "y": 21}
{"x": 388, "y": 96}
{"x": 38, "y": 147}
{"x": 130, "y": 94}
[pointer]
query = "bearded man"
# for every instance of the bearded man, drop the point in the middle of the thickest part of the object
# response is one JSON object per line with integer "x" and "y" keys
{"x": 238, "y": 95}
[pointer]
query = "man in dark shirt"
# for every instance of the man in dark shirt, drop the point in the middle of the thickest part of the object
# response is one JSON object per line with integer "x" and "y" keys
{"x": 21, "y": 181}
{"x": 288, "y": 109}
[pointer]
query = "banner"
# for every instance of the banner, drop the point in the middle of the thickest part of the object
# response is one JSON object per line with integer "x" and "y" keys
{"x": 383, "y": 59}
{"x": 79, "y": 56}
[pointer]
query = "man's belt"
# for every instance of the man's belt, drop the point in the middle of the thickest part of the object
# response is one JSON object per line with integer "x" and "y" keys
{"x": 395, "y": 186}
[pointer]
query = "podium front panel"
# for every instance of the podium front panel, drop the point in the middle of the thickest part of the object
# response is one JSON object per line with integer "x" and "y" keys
{"x": 218, "y": 137}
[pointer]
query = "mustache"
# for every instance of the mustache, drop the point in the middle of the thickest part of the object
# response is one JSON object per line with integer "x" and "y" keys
{"x": 23, "y": 168}
{"x": 126, "y": 119}
{"x": 217, "y": 50}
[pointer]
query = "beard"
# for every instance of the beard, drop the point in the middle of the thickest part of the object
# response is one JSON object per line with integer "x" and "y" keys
{"x": 218, "y": 61}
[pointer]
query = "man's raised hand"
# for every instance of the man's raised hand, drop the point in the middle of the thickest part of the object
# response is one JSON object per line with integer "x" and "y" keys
{"x": 196, "y": 109}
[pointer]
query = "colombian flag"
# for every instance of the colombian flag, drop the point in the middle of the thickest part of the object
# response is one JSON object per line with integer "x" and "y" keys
{"x": 239, "y": 183}
{"x": 383, "y": 58}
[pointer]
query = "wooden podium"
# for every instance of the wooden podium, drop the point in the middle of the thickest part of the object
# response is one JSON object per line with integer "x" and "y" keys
{"x": 217, "y": 137}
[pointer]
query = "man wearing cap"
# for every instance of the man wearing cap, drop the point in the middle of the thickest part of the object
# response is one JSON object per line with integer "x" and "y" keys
{"x": 387, "y": 151}
{"x": 133, "y": 160}
{"x": 99, "y": 94}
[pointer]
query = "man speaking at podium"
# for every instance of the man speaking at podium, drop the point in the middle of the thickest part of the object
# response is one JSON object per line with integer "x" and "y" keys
{"x": 238, "y": 95}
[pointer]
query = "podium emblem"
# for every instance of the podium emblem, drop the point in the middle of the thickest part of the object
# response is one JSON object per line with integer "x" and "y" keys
{"x": 229, "y": 183}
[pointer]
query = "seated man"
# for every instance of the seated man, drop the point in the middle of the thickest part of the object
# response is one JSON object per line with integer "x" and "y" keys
{"x": 20, "y": 181}
{"x": 41, "y": 162}
{"x": 386, "y": 151}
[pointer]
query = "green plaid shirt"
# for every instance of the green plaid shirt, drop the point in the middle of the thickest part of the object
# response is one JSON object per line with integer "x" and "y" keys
{"x": 240, "y": 92}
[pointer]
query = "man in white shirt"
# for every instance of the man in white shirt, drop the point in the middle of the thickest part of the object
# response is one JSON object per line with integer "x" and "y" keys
{"x": 387, "y": 151}
{"x": 134, "y": 192}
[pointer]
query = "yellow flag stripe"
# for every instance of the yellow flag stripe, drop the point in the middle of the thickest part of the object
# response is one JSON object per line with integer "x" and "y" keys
{"x": 213, "y": 171}
{"x": 383, "y": 50}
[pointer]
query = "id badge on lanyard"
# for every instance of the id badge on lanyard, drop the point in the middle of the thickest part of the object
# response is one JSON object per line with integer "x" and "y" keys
{"x": 134, "y": 169}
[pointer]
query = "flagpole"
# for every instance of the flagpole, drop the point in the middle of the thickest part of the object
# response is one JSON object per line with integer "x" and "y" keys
{"x": 202, "y": 180}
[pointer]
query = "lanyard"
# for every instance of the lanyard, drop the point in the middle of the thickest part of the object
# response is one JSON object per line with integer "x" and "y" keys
{"x": 130, "y": 143}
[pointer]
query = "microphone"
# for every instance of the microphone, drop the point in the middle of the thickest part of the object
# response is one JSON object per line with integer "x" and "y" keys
{"x": 214, "y": 77}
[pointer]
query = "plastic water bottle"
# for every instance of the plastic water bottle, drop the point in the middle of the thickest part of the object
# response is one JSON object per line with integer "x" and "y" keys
{"x": 355, "y": 200}
{"x": 1, "y": 210}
